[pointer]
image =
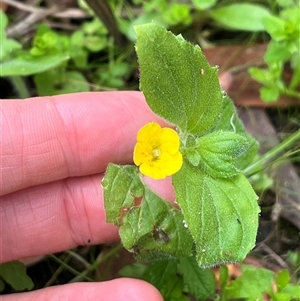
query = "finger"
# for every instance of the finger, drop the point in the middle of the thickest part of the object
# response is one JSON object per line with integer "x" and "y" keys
{"x": 51, "y": 138}
{"x": 226, "y": 79}
{"x": 115, "y": 290}
{"x": 57, "y": 216}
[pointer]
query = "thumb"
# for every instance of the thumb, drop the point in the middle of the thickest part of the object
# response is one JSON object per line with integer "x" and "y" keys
{"x": 123, "y": 289}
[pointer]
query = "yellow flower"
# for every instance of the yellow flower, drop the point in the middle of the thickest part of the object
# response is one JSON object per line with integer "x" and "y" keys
{"x": 157, "y": 151}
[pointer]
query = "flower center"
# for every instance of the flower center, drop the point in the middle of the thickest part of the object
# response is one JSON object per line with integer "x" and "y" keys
{"x": 156, "y": 153}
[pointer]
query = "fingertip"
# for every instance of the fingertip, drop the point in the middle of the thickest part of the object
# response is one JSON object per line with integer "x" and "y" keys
{"x": 123, "y": 289}
{"x": 127, "y": 289}
{"x": 163, "y": 188}
{"x": 226, "y": 79}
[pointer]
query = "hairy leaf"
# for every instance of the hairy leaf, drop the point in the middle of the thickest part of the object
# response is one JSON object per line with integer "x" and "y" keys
{"x": 154, "y": 230}
{"x": 177, "y": 81}
{"x": 200, "y": 282}
{"x": 120, "y": 196}
{"x": 221, "y": 214}
{"x": 229, "y": 121}
{"x": 158, "y": 273}
{"x": 149, "y": 226}
{"x": 218, "y": 151}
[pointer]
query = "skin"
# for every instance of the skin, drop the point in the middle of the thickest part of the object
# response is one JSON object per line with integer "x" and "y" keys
{"x": 54, "y": 151}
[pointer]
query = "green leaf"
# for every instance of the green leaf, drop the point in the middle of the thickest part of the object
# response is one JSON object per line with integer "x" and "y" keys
{"x": 263, "y": 76}
{"x": 28, "y": 66}
{"x": 193, "y": 156}
{"x": 218, "y": 151}
{"x": 282, "y": 279}
{"x": 173, "y": 290}
{"x": 8, "y": 46}
{"x": 204, "y": 4}
{"x": 295, "y": 80}
{"x": 14, "y": 273}
{"x": 159, "y": 5}
{"x": 123, "y": 196}
{"x": 177, "y": 14}
{"x": 2, "y": 283}
{"x": 77, "y": 38}
{"x": 113, "y": 75}
{"x": 95, "y": 43}
{"x": 46, "y": 41}
{"x": 294, "y": 258}
{"x": 269, "y": 94}
{"x": 285, "y": 3}
{"x": 150, "y": 226}
{"x": 154, "y": 230}
{"x": 135, "y": 270}
{"x": 94, "y": 27}
{"x": 79, "y": 56}
{"x": 3, "y": 23}
{"x": 275, "y": 27}
{"x": 147, "y": 17}
{"x": 293, "y": 290}
{"x": 277, "y": 52}
{"x": 159, "y": 273}
{"x": 229, "y": 121}
{"x": 54, "y": 82}
{"x": 250, "y": 285}
{"x": 177, "y": 81}
{"x": 224, "y": 276}
{"x": 260, "y": 180}
{"x": 292, "y": 16}
{"x": 221, "y": 214}
{"x": 241, "y": 16}
{"x": 201, "y": 283}
{"x": 42, "y": 29}
{"x": 282, "y": 297}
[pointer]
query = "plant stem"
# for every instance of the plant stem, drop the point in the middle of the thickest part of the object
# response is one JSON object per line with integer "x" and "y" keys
{"x": 291, "y": 93}
{"x": 96, "y": 263}
{"x": 57, "y": 272}
{"x": 67, "y": 267}
{"x": 295, "y": 79}
{"x": 20, "y": 86}
{"x": 257, "y": 166}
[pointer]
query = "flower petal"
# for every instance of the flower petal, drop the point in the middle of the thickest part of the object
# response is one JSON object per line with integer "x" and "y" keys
{"x": 153, "y": 170}
{"x": 148, "y": 132}
{"x": 169, "y": 141}
{"x": 171, "y": 163}
{"x": 138, "y": 154}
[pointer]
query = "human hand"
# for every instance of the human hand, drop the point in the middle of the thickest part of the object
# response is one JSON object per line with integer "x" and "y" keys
{"x": 54, "y": 151}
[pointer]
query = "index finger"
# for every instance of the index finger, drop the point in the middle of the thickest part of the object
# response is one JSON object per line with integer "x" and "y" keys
{"x": 45, "y": 139}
